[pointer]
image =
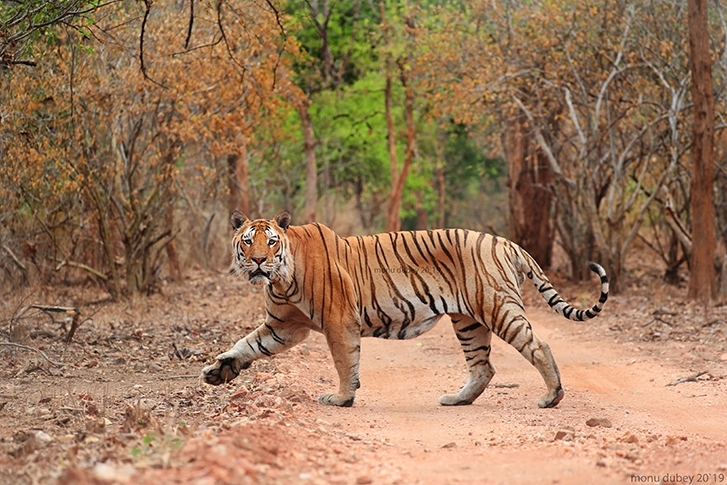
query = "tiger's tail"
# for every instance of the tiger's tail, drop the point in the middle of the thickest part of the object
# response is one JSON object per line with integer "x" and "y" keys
{"x": 537, "y": 276}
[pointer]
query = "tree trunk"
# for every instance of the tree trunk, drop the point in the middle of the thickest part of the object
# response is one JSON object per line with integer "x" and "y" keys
{"x": 422, "y": 219}
{"x": 530, "y": 195}
{"x": 392, "y": 221}
{"x": 572, "y": 224}
{"x": 702, "y": 285}
{"x": 239, "y": 179}
{"x": 104, "y": 227}
{"x": 311, "y": 168}
{"x": 398, "y": 180}
{"x": 440, "y": 188}
{"x": 175, "y": 268}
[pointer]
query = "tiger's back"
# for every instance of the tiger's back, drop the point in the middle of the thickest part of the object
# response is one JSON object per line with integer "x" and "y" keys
{"x": 404, "y": 280}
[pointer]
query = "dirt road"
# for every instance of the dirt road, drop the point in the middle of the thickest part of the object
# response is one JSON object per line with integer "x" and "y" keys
{"x": 126, "y": 409}
{"x": 656, "y": 430}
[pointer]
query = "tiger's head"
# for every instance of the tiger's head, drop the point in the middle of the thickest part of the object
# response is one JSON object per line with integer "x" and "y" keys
{"x": 260, "y": 248}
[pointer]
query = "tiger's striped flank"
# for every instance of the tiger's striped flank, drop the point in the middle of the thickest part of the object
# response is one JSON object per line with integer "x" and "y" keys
{"x": 396, "y": 286}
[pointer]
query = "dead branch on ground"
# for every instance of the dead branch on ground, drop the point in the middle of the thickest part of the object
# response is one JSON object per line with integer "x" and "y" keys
{"x": 26, "y": 347}
{"x": 75, "y": 314}
{"x": 692, "y": 378}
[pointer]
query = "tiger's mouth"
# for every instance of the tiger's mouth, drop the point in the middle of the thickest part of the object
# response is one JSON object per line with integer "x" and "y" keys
{"x": 259, "y": 275}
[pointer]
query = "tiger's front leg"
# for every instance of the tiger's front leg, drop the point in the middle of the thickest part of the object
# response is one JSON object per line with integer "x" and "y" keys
{"x": 268, "y": 339}
{"x": 344, "y": 343}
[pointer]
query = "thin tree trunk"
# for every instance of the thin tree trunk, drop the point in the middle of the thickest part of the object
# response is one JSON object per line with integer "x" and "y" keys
{"x": 175, "y": 268}
{"x": 393, "y": 220}
{"x": 530, "y": 195}
{"x": 239, "y": 179}
{"x": 393, "y": 216}
{"x": 422, "y": 220}
{"x": 311, "y": 168}
{"x": 114, "y": 283}
{"x": 439, "y": 180}
{"x": 702, "y": 285}
{"x": 440, "y": 188}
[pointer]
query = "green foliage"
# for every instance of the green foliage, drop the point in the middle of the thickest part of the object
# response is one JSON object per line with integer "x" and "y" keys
{"x": 27, "y": 28}
{"x": 352, "y": 133}
{"x": 465, "y": 161}
{"x": 337, "y": 42}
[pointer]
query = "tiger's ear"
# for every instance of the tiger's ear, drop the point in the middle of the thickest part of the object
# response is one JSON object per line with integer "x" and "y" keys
{"x": 282, "y": 219}
{"x": 237, "y": 219}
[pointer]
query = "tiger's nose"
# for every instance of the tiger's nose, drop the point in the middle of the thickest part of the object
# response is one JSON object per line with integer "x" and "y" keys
{"x": 259, "y": 261}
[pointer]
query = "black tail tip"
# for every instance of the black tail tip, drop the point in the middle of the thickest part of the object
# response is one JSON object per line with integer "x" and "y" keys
{"x": 598, "y": 269}
{"x": 595, "y": 267}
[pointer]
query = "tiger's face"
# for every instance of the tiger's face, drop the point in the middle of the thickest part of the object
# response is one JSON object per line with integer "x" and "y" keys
{"x": 260, "y": 248}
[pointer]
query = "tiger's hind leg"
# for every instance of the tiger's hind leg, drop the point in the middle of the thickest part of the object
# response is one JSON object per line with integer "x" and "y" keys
{"x": 475, "y": 339}
{"x": 517, "y": 331}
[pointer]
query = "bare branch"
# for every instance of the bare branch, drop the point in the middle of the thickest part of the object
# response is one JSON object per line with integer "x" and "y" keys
{"x": 26, "y": 347}
{"x": 15, "y": 259}
{"x": 221, "y": 26}
{"x": 277, "y": 16}
{"x": 691, "y": 378}
{"x": 34, "y": 17}
{"x": 574, "y": 118}
{"x": 554, "y": 165}
{"x": 614, "y": 72}
{"x": 681, "y": 232}
{"x": 191, "y": 23}
{"x": 82, "y": 266}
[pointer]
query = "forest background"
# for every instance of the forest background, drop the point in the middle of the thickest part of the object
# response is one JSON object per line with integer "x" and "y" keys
{"x": 130, "y": 129}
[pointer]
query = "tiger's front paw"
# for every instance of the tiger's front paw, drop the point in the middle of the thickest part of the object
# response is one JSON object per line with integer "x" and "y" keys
{"x": 336, "y": 400}
{"x": 222, "y": 371}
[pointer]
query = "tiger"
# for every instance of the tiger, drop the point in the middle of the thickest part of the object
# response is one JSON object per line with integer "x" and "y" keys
{"x": 394, "y": 285}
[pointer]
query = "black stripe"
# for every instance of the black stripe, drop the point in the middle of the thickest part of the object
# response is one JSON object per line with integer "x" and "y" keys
{"x": 274, "y": 317}
{"x": 262, "y": 348}
{"x": 544, "y": 288}
{"x": 469, "y": 328}
{"x": 444, "y": 304}
{"x": 484, "y": 347}
{"x": 276, "y": 337}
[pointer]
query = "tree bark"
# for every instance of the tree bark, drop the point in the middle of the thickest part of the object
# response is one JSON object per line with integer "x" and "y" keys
{"x": 530, "y": 195}
{"x": 311, "y": 168}
{"x": 175, "y": 268}
{"x": 440, "y": 189}
{"x": 422, "y": 218}
{"x": 702, "y": 284}
{"x": 239, "y": 179}
{"x": 392, "y": 223}
{"x": 398, "y": 180}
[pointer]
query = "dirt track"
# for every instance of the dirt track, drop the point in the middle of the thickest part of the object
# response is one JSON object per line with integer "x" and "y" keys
{"x": 505, "y": 438}
{"x": 123, "y": 410}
